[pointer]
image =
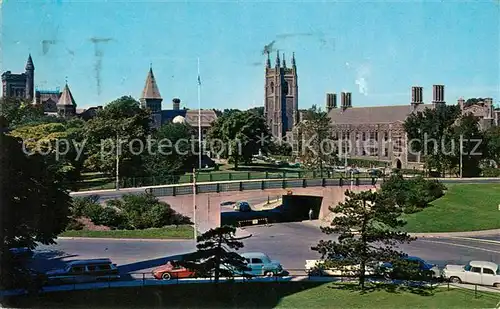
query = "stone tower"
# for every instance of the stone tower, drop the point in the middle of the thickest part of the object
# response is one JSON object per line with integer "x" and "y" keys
{"x": 30, "y": 79}
{"x": 66, "y": 106}
{"x": 151, "y": 97}
{"x": 281, "y": 96}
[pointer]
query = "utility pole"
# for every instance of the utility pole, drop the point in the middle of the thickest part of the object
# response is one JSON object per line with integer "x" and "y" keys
{"x": 461, "y": 148}
{"x": 194, "y": 204}
{"x": 117, "y": 186}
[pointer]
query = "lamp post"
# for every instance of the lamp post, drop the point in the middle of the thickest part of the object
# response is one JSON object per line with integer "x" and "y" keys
{"x": 461, "y": 147}
{"x": 117, "y": 186}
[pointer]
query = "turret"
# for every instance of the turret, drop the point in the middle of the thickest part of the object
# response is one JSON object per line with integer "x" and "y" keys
{"x": 277, "y": 64}
{"x": 30, "y": 79}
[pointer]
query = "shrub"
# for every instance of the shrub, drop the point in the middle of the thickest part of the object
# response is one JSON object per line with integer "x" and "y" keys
{"x": 74, "y": 225}
{"x": 491, "y": 172}
{"x": 109, "y": 216}
{"x": 79, "y": 205}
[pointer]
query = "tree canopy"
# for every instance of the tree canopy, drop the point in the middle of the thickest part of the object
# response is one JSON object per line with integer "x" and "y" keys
{"x": 239, "y": 136}
{"x": 215, "y": 253}
{"x": 368, "y": 225}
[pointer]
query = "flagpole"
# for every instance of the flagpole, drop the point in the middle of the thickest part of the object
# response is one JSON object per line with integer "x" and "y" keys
{"x": 461, "y": 162}
{"x": 199, "y": 116}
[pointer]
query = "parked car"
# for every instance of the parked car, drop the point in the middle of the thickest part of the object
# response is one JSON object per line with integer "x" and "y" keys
{"x": 317, "y": 268}
{"x": 242, "y": 206}
{"x": 84, "y": 271}
{"x": 426, "y": 268}
{"x": 227, "y": 203}
{"x": 171, "y": 271}
{"x": 260, "y": 264}
{"x": 21, "y": 252}
{"x": 475, "y": 272}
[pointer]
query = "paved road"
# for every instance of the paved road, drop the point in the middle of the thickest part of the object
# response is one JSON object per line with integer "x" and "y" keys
{"x": 287, "y": 242}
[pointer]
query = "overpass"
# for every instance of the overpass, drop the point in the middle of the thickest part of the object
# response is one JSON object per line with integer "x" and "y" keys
{"x": 209, "y": 195}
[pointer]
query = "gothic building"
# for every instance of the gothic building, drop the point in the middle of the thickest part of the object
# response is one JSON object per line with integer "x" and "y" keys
{"x": 377, "y": 134}
{"x": 152, "y": 99}
{"x": 54, "y": 102}
{"x": 281, "y": 97}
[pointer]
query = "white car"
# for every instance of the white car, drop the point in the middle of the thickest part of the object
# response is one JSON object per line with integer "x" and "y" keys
{"x": 475, "y": 272}
{"x": 316, "y": 267}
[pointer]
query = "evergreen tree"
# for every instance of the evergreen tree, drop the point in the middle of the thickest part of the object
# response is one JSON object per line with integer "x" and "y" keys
{"x": 214, "y": 253}
{"x": 368, "y": 226}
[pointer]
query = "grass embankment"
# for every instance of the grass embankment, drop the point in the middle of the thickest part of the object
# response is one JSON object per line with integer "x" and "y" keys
{"x": 464, "y": 207}
{"x": 170, "y": 232}
{"x": 261, "y": 295}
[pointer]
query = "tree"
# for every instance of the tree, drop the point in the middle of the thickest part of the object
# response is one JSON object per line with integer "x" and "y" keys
{"x": 492, "y": 137}
{"x": 412, "y": 194}
{"x": 257, "y": 110}
{"x": 61, "y": 143}
{"x": 239, "y": 136}
{"x": 466, "y": 133}
{"x": 433, "y": 129}
{"x": 316, "y": 146}
{"x": 33, "y": 206}
{"x": 120, "y": 127}
{"x": 171, "y": 151}
{"x": 18, "y": 112}
{"x": 214, "y": 253}
{"x": 367, "y": 224}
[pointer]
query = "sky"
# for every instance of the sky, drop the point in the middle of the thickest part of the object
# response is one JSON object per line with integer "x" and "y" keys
{"x": 375, "y": 49}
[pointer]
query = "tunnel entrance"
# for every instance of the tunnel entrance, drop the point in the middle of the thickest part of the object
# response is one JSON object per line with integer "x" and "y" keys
{"x": 293, "y": 208}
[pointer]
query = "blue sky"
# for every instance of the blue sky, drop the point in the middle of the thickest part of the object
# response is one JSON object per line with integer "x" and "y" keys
{"x": 376, "y": 49}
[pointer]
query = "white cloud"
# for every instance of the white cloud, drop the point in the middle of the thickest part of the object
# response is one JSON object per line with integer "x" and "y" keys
{"x": 361, "y": 80}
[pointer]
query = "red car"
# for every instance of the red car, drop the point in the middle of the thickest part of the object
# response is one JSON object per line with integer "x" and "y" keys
{"x": 169, "y": 271}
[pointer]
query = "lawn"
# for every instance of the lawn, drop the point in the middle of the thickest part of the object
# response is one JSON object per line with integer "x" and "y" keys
{"x": 171, "y": 232}
{"x": 260, "y": 295}
{"x": 464, "y": 207}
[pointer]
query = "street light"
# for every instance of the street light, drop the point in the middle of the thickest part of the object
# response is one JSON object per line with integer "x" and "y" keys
{"x": 194, "y": 204}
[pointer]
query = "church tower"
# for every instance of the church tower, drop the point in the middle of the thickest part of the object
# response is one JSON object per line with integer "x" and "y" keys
{"x": 30, "y": 79}
{"x": 66, "y": 106}
{"x": 281, "y": 96}
{"x": 151, "y": 97}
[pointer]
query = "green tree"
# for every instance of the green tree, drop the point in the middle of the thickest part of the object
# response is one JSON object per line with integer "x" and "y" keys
{"x": 215, "y": 255}
{"x": 17, "y": 112}
{"x": 121, "y": 123}
{"x": 367, "y": 224}
{"x": 257, "y": 110}
{"x": 239, "y": 136}
{"x": 492, "y": 137}
{"x": 33, "y": 206}
{"x": 433, "y": 131}
{"x": 474, "y": 148}
{"x": 171, "y": 151}
{"x": 412, "y": 194}
{"x": 316, "y": 146}
{"x": 61, "y": 143}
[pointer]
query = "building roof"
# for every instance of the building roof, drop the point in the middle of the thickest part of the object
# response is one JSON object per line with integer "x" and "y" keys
{"x": 150, "y": 90}
{"x": 66, "y": 98}
{"x": 207, "y": 116}
{"x": 29, "y": 64}
{"x": 374, "y": 114}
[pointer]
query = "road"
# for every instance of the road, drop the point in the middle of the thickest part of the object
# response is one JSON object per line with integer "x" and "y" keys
{"x": 287, "y": 242}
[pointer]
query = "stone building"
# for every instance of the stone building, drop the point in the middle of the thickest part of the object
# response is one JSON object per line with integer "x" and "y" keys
{"x": 151, "y": 98}
{"x": 54, "y": 102}
{"x": 281, "y": 97}
{"x": 376, "y": 133}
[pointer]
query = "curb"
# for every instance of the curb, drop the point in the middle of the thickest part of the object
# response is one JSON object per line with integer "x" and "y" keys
{"x": 459, "y": 234}
{"x": 126, "y": 239}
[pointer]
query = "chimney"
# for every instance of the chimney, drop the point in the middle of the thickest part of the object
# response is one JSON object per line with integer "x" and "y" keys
{"x": 437, "y": 94}
{"x": 176, "y": 104}
{"x": 416, "y": 95}
{"x": 348, "y": 99}
{"x": 488, "y": 102}
{"x": 334, "y": 100}
{"x": 343, "y": 100}
{"x": 331, "y": 101}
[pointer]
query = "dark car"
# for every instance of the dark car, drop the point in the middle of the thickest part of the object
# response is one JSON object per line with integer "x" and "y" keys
{"x": 21, "y": 252}
{"x": 411, "y": 266}
{"x": 242, "y": 206}
{"x": 84, "y": 271}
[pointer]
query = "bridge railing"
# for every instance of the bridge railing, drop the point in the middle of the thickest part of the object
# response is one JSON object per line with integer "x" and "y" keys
{"x": 262, "y": 184}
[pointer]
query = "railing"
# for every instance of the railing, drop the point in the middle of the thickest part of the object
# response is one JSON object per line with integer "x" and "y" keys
{"x": 229, "y": 186}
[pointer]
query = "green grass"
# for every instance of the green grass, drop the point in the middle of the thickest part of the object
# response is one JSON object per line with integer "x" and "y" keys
{"x": 170, "y": 232}
{"x": 260, "y": 295}
{"x": 464, "y": 207}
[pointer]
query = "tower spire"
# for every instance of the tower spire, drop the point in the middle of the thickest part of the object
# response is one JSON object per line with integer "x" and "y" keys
{"x": 268, "y": 61}
{"x": 277, "y": 58}
{"x": 293, "y": 59}
{"x": 284, "y": 62}
{"x": 29, "y": 64}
